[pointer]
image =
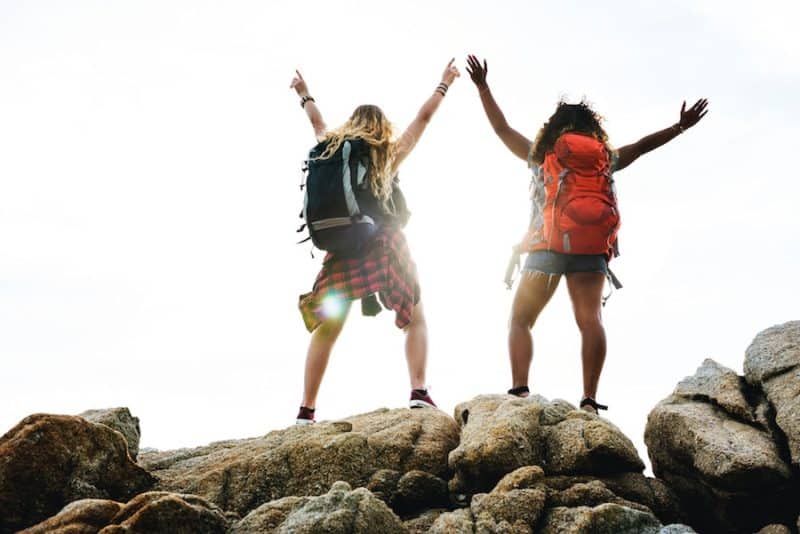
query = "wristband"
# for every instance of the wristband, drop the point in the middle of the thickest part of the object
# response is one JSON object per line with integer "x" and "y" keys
{"x": 305, "y": 99}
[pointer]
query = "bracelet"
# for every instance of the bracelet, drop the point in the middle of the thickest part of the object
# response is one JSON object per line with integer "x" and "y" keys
{"x": 305, "y": 99}
{"x": 677, "y": 126}
{"x": 442, "y": 88}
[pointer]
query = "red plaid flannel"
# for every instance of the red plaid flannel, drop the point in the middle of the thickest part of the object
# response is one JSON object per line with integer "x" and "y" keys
{"x": 385, "y": 269}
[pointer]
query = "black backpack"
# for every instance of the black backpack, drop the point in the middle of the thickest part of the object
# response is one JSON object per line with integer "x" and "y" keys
{"x": 340, "y": 211}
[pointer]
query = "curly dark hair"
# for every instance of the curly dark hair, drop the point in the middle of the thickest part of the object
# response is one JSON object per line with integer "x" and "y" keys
{"x": 580, "y": 118}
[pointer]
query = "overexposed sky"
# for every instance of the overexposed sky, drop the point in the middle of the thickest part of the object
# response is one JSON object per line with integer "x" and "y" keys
{"x": 149, "y": 166}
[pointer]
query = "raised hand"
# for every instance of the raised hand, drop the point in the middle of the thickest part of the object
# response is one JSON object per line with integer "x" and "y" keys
{"x": 299, "y": 84}
{"x": 450, "y": 72}
{"x": 477, "y": 71}
{"x": 693, "y": 115}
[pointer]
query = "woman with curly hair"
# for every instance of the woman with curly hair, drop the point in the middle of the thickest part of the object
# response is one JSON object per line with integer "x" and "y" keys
{"x": 574, "y": 222}
{"x": 384, "y": 266}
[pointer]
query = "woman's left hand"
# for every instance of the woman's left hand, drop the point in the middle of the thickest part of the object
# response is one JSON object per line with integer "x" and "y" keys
{"x": 693, "y": 115}
{"x": 450, "y": 73}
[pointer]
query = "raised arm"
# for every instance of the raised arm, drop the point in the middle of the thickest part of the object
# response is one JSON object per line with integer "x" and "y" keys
{"x": 409, "y": 138}
{"x": 309, "y": 105}
{"x": 688, "y": 118}
{"x": 518, "y": 144}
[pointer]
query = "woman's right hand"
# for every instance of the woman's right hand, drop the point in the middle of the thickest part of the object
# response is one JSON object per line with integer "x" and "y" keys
{"x": 450, "y": 73}
{"x": 477, "y": 71}
{"x": 299, "y": 84}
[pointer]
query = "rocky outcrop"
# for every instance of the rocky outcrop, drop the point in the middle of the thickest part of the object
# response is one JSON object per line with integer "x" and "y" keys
{"x": 724, "y": 449}
{"x": 501, "y": 433}
{"x": 48, "y": 461}
{"x": 121, "y": 420}
{"x": 306, "y": 460}
{"x": 712, "y": 442}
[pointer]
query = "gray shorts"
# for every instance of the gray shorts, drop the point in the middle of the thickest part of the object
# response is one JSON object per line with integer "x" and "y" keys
{"x": 549, "y": 262}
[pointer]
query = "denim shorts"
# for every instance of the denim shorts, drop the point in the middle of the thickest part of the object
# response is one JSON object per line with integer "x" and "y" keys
{"x": 549, "y": 262}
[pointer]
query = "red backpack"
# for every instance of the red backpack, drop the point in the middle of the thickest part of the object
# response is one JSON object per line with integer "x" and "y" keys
{"x": 574, "y": 203}
{"x": 579, "y": 214}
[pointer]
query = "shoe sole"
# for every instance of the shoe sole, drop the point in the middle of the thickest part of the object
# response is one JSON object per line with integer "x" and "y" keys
{"x": 420, "y": 404}
{"x": 304, "y": 422}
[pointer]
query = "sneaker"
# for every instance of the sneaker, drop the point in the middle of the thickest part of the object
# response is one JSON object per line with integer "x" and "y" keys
{"x": 521, "y": 391}
{"x": 421, "y": 399}
{"x": 305, "y": 416}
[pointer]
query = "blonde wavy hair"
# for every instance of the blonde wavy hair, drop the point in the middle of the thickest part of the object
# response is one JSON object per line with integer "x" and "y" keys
{"x": 370, "y": 124}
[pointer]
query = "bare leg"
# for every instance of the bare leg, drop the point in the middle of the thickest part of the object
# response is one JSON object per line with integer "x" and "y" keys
{"x": 586, "y": 292}
{"x": 417, "y": 347}
{"x": 319, "y": 350}
{"x": 533, "y": 293}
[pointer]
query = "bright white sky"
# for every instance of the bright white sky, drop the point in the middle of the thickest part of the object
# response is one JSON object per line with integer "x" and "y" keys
{"x": 149, "y": 167}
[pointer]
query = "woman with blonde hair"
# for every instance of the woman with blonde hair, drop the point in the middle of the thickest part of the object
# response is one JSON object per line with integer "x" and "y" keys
{"x": 574, "y": 222}
{"x": 383, "y": 266}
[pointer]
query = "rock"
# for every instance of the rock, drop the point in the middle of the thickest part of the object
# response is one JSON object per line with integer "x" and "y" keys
{"x": 159, "y": 512}
{"x": 775, "y": 529}
{"x": 772, "y": 362}
{"x": 417, "y": 490}
{"x": 725, "y": 468}
{"x": 501, "y": 433}
{"x": 86, "y": 516}
{"x": 241, "y": 475}
{"x": 409, "y": 493}
{"x": 47, "y": 461}
{"x": 603, "y": 519}
{"x": 121, "y": 420}
{"x": 718, "y": 385}
{"x": 593, "y": 493}
{"x": 340, "y": 511}
{"x": 422, "y": 523}
{"x": 456, "y": 522}
{"x": 677, "y": 529}
{"x": 516, "y": 510}
{"x": 584, "y": 443}
{"x": 152, "y": 512}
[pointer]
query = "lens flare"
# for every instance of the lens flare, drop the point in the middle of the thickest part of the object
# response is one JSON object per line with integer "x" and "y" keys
{"x": 332, "y": 306}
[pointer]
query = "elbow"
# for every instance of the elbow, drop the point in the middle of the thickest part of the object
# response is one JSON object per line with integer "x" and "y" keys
{"x": 501, "y": 128}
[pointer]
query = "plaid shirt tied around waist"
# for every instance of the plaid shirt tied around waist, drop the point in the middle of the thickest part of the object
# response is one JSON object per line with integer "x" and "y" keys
{"x": 385, "y": 268}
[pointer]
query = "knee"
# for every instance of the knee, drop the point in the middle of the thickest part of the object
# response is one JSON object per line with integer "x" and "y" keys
{"x": 417, "y": 319}
{"x": 588, "y": 321}
{"x": 521, "y": 320}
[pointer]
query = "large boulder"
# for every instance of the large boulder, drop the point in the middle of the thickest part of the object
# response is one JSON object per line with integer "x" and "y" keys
{"x": 627, "y": 488}
{"x": 305, "y": 460}
{"x": 47, "y": 461}
{"x": 340, "y": 511}
{"x": 708, "y": 443}
{"x": 86, "y": 516}
{"x": 151, "y": 512}
{"x": 772, "y": 363}
{"x": 602, "y": 519}
{"x": 501, "y": 433}
{"x": 527, "y": 501}
{"x": 121, "y": 420}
